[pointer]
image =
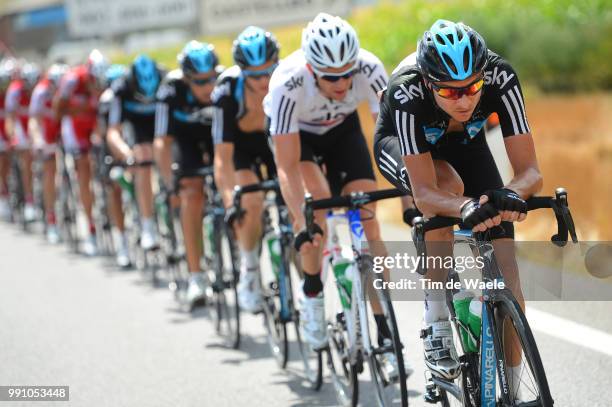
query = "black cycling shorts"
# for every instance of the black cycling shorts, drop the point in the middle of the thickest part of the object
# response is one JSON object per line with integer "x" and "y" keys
{"x": 343, "y": 151}
{"x": 473, "y": 162}
{"x": 251, "y": 151}
{"x": 138, "y": 132}
{"x": 190, "y": 151}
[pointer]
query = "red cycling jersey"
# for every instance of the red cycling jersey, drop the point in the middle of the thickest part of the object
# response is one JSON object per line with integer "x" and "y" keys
{"x": 40, "y": 105}
{"x": 17, "y": 102}
{"x": 76, "y": 88}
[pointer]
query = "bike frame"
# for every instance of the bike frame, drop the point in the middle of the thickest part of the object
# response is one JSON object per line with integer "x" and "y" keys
{"x": 358, "y": 333}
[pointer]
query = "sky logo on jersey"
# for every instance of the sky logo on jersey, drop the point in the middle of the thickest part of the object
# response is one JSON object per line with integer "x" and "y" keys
{"x": 496, "y": 77}
{"x": 473, "y": 128}
{"x": 139, "y": 108}
{"x": 294, "y": 83}
{"x": 403, "y": 94}
{"x": 433, "y": 134}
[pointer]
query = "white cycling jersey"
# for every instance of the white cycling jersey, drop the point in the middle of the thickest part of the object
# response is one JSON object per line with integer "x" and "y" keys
{"x": 294, "y": 102}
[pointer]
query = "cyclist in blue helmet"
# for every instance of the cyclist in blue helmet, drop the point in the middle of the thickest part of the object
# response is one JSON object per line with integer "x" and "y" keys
{"x": 184, "y": 117}
{"x": 115, "y": 210}
{"x": 115, "y": 71}
{"x": 430, "y": 141}
{"x": 131, "y": 128}
{"x": 241, "y": 146}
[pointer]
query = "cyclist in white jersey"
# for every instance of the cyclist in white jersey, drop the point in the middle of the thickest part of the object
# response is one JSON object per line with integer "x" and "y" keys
{"x": 319, "y": 146}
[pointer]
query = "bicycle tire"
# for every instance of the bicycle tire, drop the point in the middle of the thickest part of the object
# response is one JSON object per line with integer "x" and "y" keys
{"x": 389, "y": 314}
{"x": 506, "y": 305}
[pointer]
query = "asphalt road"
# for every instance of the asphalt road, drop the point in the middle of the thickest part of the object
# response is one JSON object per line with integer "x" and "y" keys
{"x": 117, "y": 341}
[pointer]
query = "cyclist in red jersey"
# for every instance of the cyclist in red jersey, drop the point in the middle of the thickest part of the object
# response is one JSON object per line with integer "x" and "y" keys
{"x": 45, "y": 130}
{"x": 6, "y": 68}
{"x": 17, "y": 102}
{"x": 76, "y": 102}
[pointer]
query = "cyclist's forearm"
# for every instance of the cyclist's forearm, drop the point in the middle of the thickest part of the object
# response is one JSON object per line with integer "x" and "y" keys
{"x": 35, "y": 127}
{"x": 8, "y": 126}
{"x": 224, "y": 178}
{"x": 436, "y": 202}
{"x": 120, "y": 149}
{"x": 163, "y": 158}
{"x": 290, "y": 180}
{"x": 527, "y": 183}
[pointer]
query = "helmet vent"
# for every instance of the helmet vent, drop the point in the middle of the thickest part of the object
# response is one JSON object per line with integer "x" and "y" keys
{"x": 450, "y": 63}
{"x": 330, "y": 54}
{"x": 466, "y": 60}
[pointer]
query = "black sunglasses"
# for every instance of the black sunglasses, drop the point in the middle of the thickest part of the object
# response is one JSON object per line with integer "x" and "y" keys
{"x": 336, "y": 78}
{"x": 203, "y": 81}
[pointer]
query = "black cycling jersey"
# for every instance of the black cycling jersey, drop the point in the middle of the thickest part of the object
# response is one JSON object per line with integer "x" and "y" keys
{"x": 131, "y": 106}
{"x": 409, "y": 112}
{"x": 251, "y": 149}
{"x": 181, "y": 116}
{"x": 104, "y": 109}
{"x": 410, "y": 122}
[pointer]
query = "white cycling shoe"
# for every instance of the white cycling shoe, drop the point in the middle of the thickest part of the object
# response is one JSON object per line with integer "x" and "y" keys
{"x": 29, "y": 212}
{"x": 196, "y": 290}
{"x": 148, "y": 239}
{"x": 249, "y": 291}
{"x": 90, "y": 246}
{"x": 389, "y": 364}
{"x": 5, "y": 209}
{"x": 440, "y": 353}
{"x": 312, "y": 319}
{"x": 53, "y": 236}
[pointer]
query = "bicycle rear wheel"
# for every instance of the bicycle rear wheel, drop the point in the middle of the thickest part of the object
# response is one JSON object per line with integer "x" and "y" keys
{"x": 518, "y": 345}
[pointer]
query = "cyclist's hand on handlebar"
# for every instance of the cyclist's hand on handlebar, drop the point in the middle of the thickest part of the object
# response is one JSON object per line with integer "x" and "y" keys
{"x": 304, "y": 242}
{"x": 510, "y": 205}
{"x": 233, "y": 214}
{"x": 480, "y": 215}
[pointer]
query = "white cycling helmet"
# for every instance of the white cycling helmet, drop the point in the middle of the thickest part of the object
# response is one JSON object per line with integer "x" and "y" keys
{"x": 329, "y": 42}
{"x": 55, "y": 73}
{"x": 97, "y": 65}
{"x": 30, "y": 73}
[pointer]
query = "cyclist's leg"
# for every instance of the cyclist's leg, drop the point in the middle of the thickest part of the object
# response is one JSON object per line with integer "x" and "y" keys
{"x": 191, "y": 158}
{"x": 49, "y": 188}
{"x": 22, "y": 146}
{"x": 5, "y": 165}
{"x": 144, "y": 192}
{"x": 249, "y": 229}
{"x": 192, "y": 206}
{"x": 388, "y": 157}
{"x": 316, "y": 184}
{"x": 78, "y": 144}
{"x": 478, "y": 179}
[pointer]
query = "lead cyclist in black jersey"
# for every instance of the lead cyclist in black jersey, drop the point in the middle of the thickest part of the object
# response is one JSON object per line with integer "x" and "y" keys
{"x": 430, "y": 141}
{"x": 183, "y": 118}
{"x": 241, "y": 147}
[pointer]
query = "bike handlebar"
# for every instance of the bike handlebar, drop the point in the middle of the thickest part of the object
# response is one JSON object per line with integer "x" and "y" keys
{"x": 558, "y": 203}
{"x": 354, "y": 200}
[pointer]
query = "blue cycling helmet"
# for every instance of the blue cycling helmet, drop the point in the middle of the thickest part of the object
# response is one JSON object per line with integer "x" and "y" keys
{"x": 451, "y": 52}
{"x": 145, "y": 71}
{"x": 197, "y": 57}
{"x": 254, "y": 47}
{"x": 115, "y": 71}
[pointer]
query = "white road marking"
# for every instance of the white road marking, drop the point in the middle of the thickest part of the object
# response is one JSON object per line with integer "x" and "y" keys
{"x": 570, "y": 331}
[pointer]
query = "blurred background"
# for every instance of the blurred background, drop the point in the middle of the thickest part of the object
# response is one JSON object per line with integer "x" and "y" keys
{"x": 561, "y": 49}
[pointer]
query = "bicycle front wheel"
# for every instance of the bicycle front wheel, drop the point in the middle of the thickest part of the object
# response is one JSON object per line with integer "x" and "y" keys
{"x": 391, "y": 387}
{"x": 225, "y": 286}
{"x": 528, "y": 385}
